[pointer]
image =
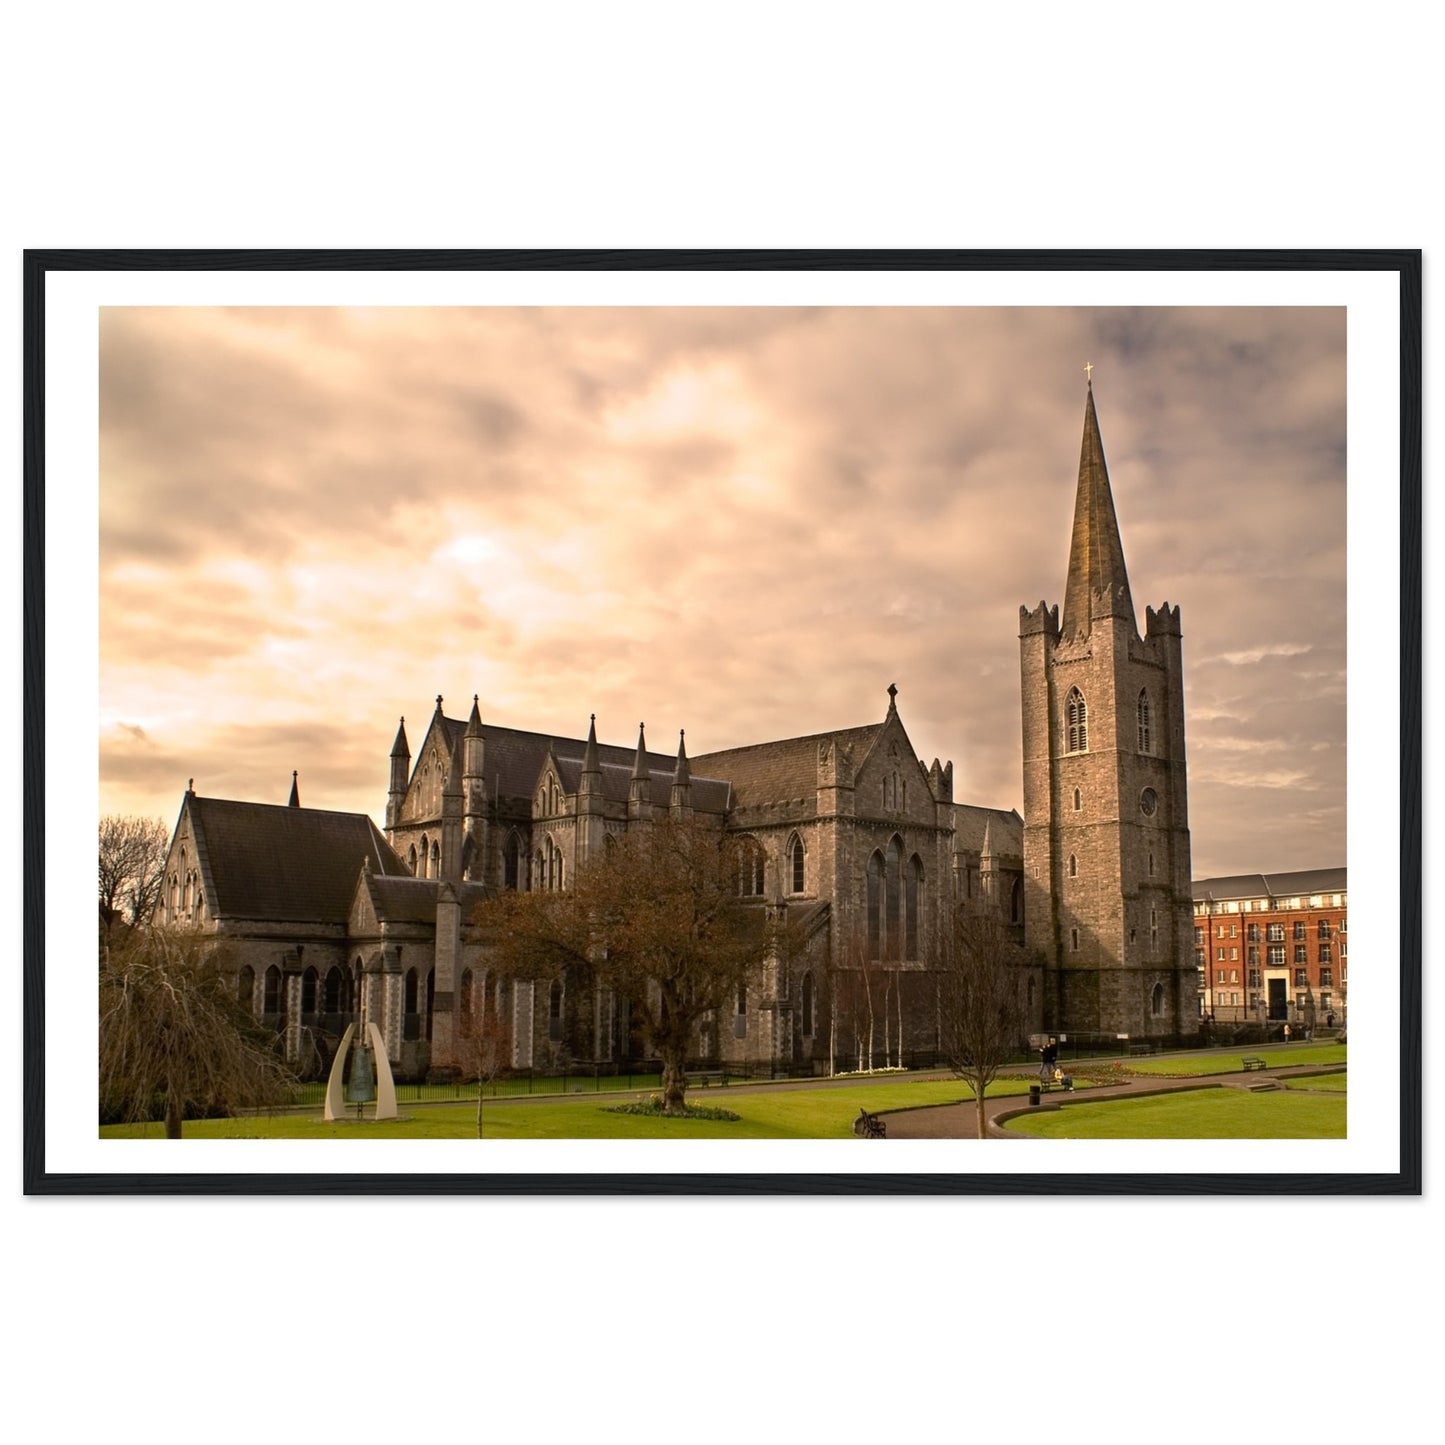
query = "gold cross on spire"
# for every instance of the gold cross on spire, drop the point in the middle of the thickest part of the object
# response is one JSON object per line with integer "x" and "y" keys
{"x": 1089, "y": 372}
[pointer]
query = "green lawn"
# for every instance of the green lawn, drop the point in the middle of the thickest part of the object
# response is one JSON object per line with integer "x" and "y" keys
{"x": 1320, "y": 1083}
{"x": 823, "y": 1113}
{"x": 1230, "y": 1061}
{"x": 1200, "y": 1114}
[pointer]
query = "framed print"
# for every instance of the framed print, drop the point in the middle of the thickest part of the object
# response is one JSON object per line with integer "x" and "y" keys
{"x": 723, "y": 722}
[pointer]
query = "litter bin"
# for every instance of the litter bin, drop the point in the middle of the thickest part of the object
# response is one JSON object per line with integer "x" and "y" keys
{"x": 1033, "y": 1096}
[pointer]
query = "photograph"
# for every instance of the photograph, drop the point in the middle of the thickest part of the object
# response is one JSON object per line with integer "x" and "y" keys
{"x": 642, "y": 708}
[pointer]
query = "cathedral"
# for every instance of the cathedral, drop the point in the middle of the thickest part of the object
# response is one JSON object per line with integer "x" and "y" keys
{"x": 849, "y": 835}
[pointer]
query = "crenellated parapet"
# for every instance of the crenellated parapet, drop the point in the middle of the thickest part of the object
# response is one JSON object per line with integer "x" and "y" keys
{"x": 1041, "y": 619}
{"x": 1163, "y": 623}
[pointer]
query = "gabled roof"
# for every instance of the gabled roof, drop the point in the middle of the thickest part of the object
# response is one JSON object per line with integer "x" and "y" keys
{"x": 284, "y": 864}
{"x": 514, "y": 761}
{"x": 1004, "y": 827}
{"x": 414, "y": 900}
{"x": 1299, "y": 883}
{"x": 773, "y": 772}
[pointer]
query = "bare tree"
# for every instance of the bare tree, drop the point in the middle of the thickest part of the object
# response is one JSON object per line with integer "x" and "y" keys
{"x": 172, "y": 1035}
{"x": 484, "y": 1045}
{"x": 132, "y": 868}
{"x": 659, "y": 920}
{"x": 980, "y": 1012}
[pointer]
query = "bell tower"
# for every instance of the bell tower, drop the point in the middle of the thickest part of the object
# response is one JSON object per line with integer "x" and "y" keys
{"x": 1108, "y": 900}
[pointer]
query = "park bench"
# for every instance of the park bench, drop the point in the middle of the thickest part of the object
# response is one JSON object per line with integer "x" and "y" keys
{"x": 704, "y": 1077}
{"x": 1139, "y": 1050}
{"x": 1251, "y": 1063}
{"x": 869, "y": 1126}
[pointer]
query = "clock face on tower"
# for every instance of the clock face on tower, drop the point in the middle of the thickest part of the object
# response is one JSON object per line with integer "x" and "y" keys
{"x": 1148, "y": 802}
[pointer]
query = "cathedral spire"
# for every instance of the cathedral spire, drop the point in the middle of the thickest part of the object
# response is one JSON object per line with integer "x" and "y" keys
{"x": 295, "y": 800}
{"x": 1098, "y": 585}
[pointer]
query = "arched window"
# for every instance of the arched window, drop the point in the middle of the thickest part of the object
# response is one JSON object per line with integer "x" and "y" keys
{"x": 1144, "y": 731}
{"x": 435, "y": 871}
{"x": 273, "y": 1000}
{"x": 1156, "y": 1001}
{"x": 1073, "y": 866}
{"x": 795, "y": 864}
{"x": 1077, "y": 715}
{"x": 246, "y": 988}
{"x": 512, "y": 862}
{"x": 411, "y": 858}
{"x": 807, "y": 992}
{"x": 308, "y": 991}
{"x": 912, "y": 894}
{"x": 335, "y": 997}
{"x": 409, "y": 991}
{"x": 424, "y": 855}
{"x": 750, "y": 868}
{"x": 893, "y": 897}
{"x": 1078, "y": 800}
{"x": 1074, "y": 938}
{"x": 1016, "y": 904}
{"x": 875, "y": 905}
{"x": 554, "y": 1013}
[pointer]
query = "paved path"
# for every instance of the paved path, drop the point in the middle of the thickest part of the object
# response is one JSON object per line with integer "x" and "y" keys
{"x": 960, "y": 1121}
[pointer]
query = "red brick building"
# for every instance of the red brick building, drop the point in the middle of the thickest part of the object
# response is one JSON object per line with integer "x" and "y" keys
{"x": 1273, "y": 948}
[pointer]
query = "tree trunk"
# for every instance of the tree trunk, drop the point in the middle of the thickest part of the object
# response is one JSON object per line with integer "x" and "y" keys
{"x": 978, "y": 1094}
{"x": 173, "y": 1115}
{"x": 674, "y": 1080}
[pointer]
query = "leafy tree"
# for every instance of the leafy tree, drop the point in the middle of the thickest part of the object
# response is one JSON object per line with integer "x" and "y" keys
{"x": 979, "y": 1007}
{"x": 657, "y": 919}
{"x": 172, "y": 1033}
{"x": 132, "y": 868}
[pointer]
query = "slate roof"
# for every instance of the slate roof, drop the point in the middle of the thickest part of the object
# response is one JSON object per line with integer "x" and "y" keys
{"x": 513, "y": 763}
{"x": 1005, "y": 835}
{"x": 414, "y": 900}
{"x": 282, "y": 864}
{"x": 1272, "y": 885}
{"x": 775, "y": 772}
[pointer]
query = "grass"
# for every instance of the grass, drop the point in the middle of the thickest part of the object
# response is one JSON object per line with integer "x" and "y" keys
{"x": 1321, "y": 1083}
{"x": 1231, "y": 1061}
{"x": 1199, "y": 1114}
{"x": 822, "y": 1113}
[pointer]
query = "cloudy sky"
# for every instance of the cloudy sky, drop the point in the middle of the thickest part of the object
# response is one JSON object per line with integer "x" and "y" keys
{"x": 745, "y": 522}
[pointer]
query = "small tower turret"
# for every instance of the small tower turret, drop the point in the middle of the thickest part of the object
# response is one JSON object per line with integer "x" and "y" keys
{"x": 474, "y": 796}
{"x": 681, "y": 798}
{"x": 400, "y": 771}
{"x": 639, "y": 791}
{"x": 590, "y": 826}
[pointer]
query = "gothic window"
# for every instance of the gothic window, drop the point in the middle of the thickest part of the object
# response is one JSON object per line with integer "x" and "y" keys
{"x": 412, "y": 858}
{"x": 1151, "y": 865}
{"x": 274, "y": 998}
{"x": 1077, "y": 715}
{"x": 892, "y": 896}
{"x": 512, "y": 862}
{"x": 1078, "y": 800}
{"x": 409, "y": 992}
{"x": 436, "y": 861}
{"x": 1016, "y": 904}
{"x": 1073, "y": 866}
{"x": 431, "y": 995}
{"x": 1156, "y": 1001}
{"x": 875, "y": 905}
{"x": 750, "y": 868}
{"x": 795, "y": 863}
{"x": 245, "y": 987}
{"x": 308, "y": 991}
{"x": 913, "y": 890}
{"x": 1144, "y": 730}
{"x": 334, "y": 1000}
{"x": 424, "y": 855}
{"x": 554, "y": 1013}
{"x": 807, "y": 1005}
{"x": 1074, "y": 938}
